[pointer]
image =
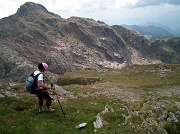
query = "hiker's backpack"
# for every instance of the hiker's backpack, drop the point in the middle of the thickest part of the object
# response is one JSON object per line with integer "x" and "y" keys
{"x": 31, "y": 83}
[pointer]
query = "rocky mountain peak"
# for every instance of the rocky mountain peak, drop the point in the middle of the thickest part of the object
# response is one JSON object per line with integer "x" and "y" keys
{"x": 31, "y": 8}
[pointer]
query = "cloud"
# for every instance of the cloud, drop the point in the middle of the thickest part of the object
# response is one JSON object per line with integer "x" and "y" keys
{"x": 79, "y": 4}
{"x": 109, "y": 11}
{"x": 77, "y": 7}
{"x": 144, "y": 3}
{"x": 9, "y": 7}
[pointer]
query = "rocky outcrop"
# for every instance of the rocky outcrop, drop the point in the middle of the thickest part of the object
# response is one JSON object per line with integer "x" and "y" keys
{"x": 167, "y": 49}
{"x": 13, "y": 66}
{"x": 99, "y": 122}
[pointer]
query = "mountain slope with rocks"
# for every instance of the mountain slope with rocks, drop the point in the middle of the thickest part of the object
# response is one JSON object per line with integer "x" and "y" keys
{"x": 33, "y": 35}
{"x": 168, "y": 49}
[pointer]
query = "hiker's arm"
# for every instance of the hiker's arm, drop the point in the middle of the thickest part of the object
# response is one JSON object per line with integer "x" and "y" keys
{"x": 41, "y": 84}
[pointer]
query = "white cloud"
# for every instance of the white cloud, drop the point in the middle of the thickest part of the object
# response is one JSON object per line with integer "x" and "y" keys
{"x": 125, "y": 3}
{"x": 9, "y": 7}
{"x": 109, "y": 11}
{"x": 143, "y": 3}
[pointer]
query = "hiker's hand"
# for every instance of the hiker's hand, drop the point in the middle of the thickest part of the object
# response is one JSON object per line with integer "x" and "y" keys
{"x": 53, "y": 88}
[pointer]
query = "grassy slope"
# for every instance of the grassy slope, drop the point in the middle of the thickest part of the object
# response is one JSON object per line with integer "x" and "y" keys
{"x": 134, "y": 76}
{"x": 20, "y": 115}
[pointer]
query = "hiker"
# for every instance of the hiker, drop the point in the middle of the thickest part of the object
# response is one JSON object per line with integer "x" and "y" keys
{"x": 41, "y": 91}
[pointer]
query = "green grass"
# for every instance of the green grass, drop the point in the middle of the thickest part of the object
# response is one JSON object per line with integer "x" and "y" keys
{"x": 20, "y": 114}
{"x": 172, "y": 128}
{"x": 134, "y": 76}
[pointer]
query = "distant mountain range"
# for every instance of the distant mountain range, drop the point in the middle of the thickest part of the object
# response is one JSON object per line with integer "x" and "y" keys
{"x": 150, "y": 32}
{"x": 175, "y": 32}
{"x": 149, "y": 23}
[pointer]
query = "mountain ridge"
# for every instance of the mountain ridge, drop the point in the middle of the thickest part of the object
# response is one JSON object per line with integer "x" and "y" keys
{"x": 37, "y": 35}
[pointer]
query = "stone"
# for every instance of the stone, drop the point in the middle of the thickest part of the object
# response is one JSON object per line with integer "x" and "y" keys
{"x": 99, "y": 122}
{"x": 2, "y": 96}
{"x": 177, "y": 105}
{"x": 172, "y": 117}
{"x": 147, "y": 126}
{"x": 177, "y": 114}
{"x": 161, "y": 130}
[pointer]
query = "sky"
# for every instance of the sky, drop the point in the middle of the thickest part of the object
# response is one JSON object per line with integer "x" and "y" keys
{"x": 112, "y": 12}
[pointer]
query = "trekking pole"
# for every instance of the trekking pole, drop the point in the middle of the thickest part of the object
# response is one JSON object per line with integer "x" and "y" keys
{"x": 59, "y": 103}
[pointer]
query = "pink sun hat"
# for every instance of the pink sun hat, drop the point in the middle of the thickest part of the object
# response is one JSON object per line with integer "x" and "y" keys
{"x": 45, "y": 66}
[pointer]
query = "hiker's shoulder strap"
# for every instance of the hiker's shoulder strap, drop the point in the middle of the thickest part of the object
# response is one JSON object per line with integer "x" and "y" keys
{"x": 35, "y": 75}
{"x": 38, "y": 74}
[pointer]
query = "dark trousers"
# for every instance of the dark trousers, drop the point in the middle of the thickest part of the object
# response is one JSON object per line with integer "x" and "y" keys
{"x": 43, "y": 94}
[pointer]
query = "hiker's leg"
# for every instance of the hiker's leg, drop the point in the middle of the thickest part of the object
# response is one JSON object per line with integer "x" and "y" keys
{"x": 47, "y": 98}
{"x": 40, "y": 98}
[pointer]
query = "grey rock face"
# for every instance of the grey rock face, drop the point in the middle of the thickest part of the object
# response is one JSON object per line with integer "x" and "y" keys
{"x": 13, "y": 66}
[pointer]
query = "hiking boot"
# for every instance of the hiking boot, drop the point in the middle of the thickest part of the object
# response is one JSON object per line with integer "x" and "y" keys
{"x": 41, "y": 110}
{"x": 50, "y": 109}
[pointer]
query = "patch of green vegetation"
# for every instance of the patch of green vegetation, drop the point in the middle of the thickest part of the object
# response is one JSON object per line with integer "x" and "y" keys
{"x": 19, "y": 104}
{"x": 20, "y": 115}
{"x": 18, "y": 86}
{"x": 83, "y": 77}
{"x": 80, "y": 81}
{"x": 80, "y": 89}
{"x": 172, "y": 98}
{"x": 146, "y": 76}
{"x": 172, "y": 128}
